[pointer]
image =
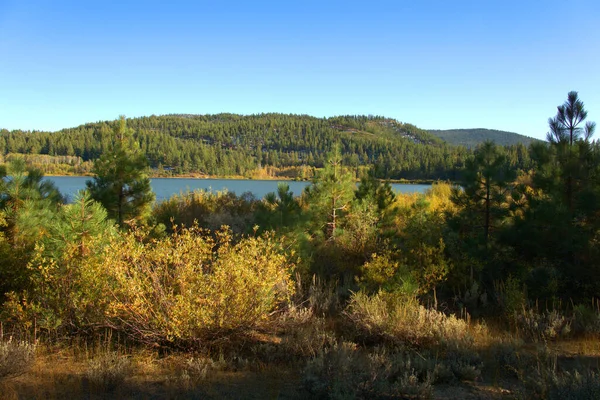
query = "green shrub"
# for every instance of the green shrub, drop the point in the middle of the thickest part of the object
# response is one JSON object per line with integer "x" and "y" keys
{"x": 382, "y": 273}
{"x": 511, "y": 296}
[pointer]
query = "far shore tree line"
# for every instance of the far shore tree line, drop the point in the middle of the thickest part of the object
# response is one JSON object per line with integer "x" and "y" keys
{"x": 254, "y": 146}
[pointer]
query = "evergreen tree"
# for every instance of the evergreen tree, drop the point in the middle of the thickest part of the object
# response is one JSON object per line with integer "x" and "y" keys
{"x": 330, "y": 196}
{"x": 28, "y": 206}
{"x": 483, "y": 204}
{"x": 568, "y": 139}
{"x": 278, "y": 211}
{"x": 557, "y": 232}
{"x": 28, "y": 201}
{"x": 486, "y": 180}
{"x": 77, "y": 225}
{"x": 121, "y": 183}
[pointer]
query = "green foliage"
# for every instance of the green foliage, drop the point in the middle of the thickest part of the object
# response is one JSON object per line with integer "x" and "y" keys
{"x": 586, "y": 319}
{"x": 229, "y": 144}
{"x": 486, "y": 187}
{"x": 329, "y": 197}
{"x": 335, "y": 235}
{"x": 28, "y": 202}
{"x": 483, "y": 208}
{"x": 372, "y": 189}
{"x": 556, "y": 228}
{"x": 511, "y": 296}
{"x": 211, "y": 210}
{"x": 28, "y": 207}
{"x": 64, "y": 291}
{"x": 120, "y": 181}
{"x": 423, "y": 247}
{"x": 82, "y": 224}
{"x": 278, "y": 211}
{"x": 382, "y": 273}
{"x": 475, "y": 137}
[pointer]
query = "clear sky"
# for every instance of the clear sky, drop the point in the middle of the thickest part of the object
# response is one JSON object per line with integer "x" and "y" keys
{"x": 436, "y": 64}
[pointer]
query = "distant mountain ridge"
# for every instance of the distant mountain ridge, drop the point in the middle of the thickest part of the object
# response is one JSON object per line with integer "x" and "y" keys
{"x": 472, "y": 137}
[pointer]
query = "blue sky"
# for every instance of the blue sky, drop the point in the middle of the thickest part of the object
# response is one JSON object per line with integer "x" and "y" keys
{"x": 437, "y": 64}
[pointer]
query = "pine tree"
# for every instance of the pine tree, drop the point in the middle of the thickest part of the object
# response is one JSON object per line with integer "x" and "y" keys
{"x": 486, "y": 184}
{"x": 121, "y": 183}
{"x": 78, "y": 225}
{"x": 568, "y": 139}
{"x": 28, "y": 202}
{"x": 28, "y": 207}
{"x": 331, "y": 194}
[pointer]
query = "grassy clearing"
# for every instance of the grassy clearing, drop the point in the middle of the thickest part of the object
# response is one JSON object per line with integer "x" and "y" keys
{"x": 307, "y": 356}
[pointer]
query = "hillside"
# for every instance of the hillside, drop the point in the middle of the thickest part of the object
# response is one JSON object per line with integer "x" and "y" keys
{"x": 231, "y": 144}
{"x": 473, "y": 137}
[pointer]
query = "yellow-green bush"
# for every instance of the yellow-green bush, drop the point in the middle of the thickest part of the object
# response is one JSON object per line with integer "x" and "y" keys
{"x": 184, "y": 287}
{"x": 192, "y": 287}
{"x": 383, "y": 273}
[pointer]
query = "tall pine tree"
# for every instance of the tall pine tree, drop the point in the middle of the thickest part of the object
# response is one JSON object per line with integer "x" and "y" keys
{"x": 121, "y": 183}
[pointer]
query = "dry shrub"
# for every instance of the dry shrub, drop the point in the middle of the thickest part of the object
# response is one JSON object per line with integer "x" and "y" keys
{"x": 543, "y": 379}
{"x": 108, "y": 371}
{"x": 197, "y": 369}
{"x": 508, "y": 357}
{"x": 398, "y": 319}
{"x": 575, "y": 386}
{"x": 586, "y": 319}
{"x": 305, "y": 334}
{"x": 301, "y": 335}
{"x": 191, "y": 286}
{"x": 546, "y": 325}
{"x": 15, "y": 358}
{"x": 346, "y": 371}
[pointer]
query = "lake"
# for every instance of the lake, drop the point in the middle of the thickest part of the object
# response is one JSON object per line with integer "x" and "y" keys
{"x": 167, "y": 187}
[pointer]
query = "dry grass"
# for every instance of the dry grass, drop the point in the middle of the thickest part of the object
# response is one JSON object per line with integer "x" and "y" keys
{"x": 310, "y": 356}
{"x": 77, "y": 374}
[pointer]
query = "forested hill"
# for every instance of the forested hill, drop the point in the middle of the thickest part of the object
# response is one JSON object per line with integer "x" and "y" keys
{"x": 473, "y": 137}
{"x": 230, "y": 144}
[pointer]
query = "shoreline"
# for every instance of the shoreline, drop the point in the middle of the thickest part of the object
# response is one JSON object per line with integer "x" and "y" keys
{"x": 243, "y": 178}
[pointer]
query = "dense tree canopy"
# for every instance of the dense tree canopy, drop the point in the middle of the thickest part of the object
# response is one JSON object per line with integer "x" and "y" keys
{"x": 229, "y": 144}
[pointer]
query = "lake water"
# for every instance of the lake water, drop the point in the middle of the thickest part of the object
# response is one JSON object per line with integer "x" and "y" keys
{"x": 167, "y": 187}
